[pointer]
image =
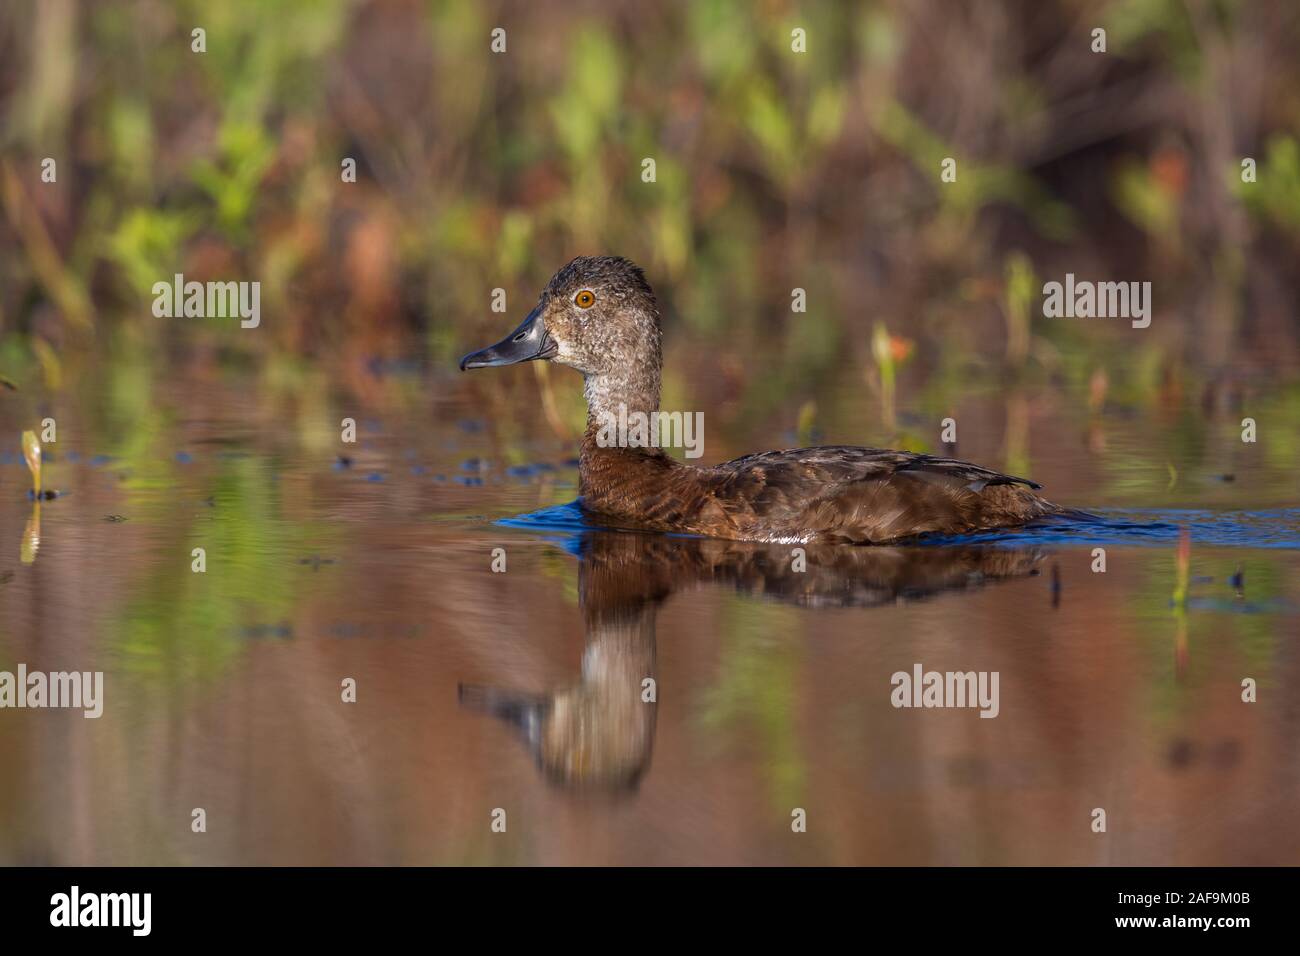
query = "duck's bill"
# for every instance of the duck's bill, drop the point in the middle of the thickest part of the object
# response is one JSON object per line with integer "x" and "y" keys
{"x": 526, "y": 343}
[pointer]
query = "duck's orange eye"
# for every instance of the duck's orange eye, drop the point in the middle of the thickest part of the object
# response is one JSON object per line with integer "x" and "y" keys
{"x": 584, "y": 299}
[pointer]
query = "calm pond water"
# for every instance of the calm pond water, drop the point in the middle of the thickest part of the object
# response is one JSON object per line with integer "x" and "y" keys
{"x": 521, "y": 690}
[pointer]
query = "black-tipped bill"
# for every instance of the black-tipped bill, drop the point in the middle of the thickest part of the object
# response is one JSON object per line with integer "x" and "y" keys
{"x": 526, "y": 343}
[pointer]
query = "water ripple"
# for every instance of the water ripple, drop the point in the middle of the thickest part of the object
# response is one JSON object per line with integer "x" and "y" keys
{"x": 1277, "y": 529}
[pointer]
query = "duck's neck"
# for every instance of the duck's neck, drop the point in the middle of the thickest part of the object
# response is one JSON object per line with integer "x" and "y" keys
{"x": 613, "y": 395}
{"x": 613, "y": 464}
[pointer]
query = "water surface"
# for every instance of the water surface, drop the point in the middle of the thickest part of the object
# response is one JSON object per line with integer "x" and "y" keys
{"x": 523, "y": 690}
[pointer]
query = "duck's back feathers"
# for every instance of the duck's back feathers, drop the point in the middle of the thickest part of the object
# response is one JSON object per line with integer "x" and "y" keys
{"x": 863, "y": 495}
{"x": 853, "y": 463}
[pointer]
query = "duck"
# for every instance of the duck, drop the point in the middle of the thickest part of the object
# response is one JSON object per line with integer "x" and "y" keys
{"x": 599, "y": 316}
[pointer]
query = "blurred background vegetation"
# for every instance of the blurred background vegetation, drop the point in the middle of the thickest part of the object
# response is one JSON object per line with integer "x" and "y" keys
{"x": 775, "y": 170}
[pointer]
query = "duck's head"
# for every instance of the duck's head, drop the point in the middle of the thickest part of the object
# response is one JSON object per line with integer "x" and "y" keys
{"x": 597, "y": 736}
{"x": 597, "y": 315}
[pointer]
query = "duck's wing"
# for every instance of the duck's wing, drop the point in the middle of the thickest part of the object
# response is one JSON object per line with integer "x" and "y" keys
{"x": 851, "y": 462}
{"x": 845, "y": 493}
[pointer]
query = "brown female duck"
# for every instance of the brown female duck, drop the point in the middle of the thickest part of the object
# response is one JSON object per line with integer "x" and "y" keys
{"x": 598, "y": 315}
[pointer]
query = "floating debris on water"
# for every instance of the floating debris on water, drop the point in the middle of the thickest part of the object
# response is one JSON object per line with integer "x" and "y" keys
{"x": 341, "y": 462}
{"x": 315, "y": 561}
{"x": 375, "y": 476}
{"x": 115, "y": 519}
{"x": 184, "y": 457}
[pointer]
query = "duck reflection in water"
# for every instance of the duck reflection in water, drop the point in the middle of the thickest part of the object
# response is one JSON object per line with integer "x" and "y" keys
{"x": 597, "y": 735}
